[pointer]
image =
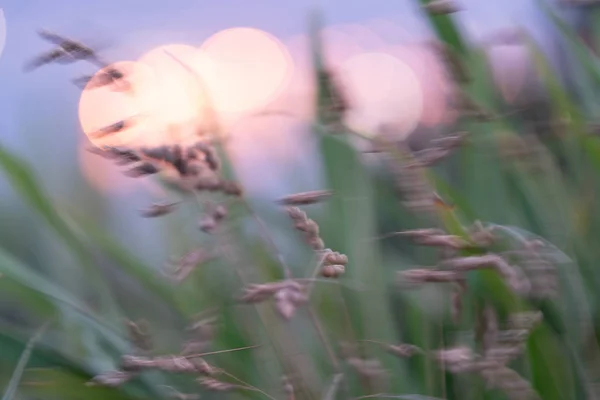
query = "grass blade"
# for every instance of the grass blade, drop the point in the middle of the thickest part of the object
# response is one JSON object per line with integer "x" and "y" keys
{"x": 18, "y": 372}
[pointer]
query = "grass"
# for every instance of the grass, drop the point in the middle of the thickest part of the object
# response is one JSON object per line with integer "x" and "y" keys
{"x": 488, "y": 292}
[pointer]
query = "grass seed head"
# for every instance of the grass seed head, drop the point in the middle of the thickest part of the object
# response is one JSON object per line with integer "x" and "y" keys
{"x": 142, "y": 170}
{"x": 158, "y": 210}
{"x": 332, "y": 270}
{"x": 305, "y": 198}
{"x": 442, "y": 7}
{"x": 111, "y": 378}
{"x": 216, "y": 385}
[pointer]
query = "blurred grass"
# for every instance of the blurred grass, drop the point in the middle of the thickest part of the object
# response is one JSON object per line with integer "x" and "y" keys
{"x": 555, "y": 203}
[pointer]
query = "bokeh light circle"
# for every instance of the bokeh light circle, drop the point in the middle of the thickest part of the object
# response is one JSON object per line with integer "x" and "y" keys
{"x": 383, "y": 90}
{"x": 251, "y": 67}
{"x": 178, "y": 100}
{"x": 103, "y": 106}
{"x": 2, "y": 31}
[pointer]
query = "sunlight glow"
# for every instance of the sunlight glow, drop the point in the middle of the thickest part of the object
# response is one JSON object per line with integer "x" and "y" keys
{"x": 103, "y": 106}
{"x": 383, "y": 90}
{"x": 177, "y": 98}
{"x": 241, "y": 72}
{"x": 251, "y": 68}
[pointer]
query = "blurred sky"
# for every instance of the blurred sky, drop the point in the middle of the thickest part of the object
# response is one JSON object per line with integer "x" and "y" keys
{"x": 132, "y": 27}
{"x": 38, "y": 111}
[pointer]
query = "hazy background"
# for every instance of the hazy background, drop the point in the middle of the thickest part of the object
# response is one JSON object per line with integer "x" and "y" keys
{"x": 86, "y": 257}
{"x": 38, "y": 113}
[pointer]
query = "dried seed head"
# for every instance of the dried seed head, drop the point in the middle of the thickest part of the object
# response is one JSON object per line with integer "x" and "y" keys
{"x": 423, "y": 275}
{"x": 215, "y": 385}
{"x": 143, "y": 169}
{"x": 181, "y": 268}
{"x": 418, "y": 233}
{"x": 111, "y": 378}
{"x": 289, "y": 298}
{"x": 307, "y": 226}
{"x": 440, "y": 7}
{"x": 207, "y": 224}
{"x": 481, "y": 235}
{"x": 211, "y": 159}
{"x": 316, "y": 243}
{"x": 203, "y": 332}
{"x": 219, "y": 212}
{"x": 288, "y": 295}
{"x": 335, "y": 258}
{"x": 332, "y": 270}
{"x": 165, "y": 363}
{"x": 513, "y": 275}
{"x": 115, "y": 153}
{"x": 257, "y": 293}
{"x": 404, "y": 350}
{"x": 209, "y": 182}
{"x": 305, "y": 198}
{"x": 231, "y": 188}
{"x": 458, "y": 359}
{"x": 442, "y": 148}
{"x": 203, "y": 367}
{"x": 113, "y": 128}
{"x": 311, "y": 228}
{"x": 157, "y": 210}
{"x": 433, "y": 237}
{"x": 296, "y": 214}
{"x": 210, "y": 155}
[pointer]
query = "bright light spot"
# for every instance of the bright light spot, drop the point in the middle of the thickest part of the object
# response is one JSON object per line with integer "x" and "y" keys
{"x": 103, "y": 106}
{"x": 250, "y": 69}
{"x": 382, "y": 90}
{"x": 432, "y": 78}
{"x": 177, "y": 97}
{"x": 2, "y": 31}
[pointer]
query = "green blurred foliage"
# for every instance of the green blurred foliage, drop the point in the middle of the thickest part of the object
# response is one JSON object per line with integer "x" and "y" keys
{"x": 93, "y": 282}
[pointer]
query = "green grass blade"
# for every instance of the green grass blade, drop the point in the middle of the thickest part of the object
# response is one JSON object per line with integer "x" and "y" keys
{"x": 26, "y": 184}
{"x": 446, "y": 30}
{"x": 13, "y": 384}
{"x": 586, "y": 58}
{"x": 149, "y": 278}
